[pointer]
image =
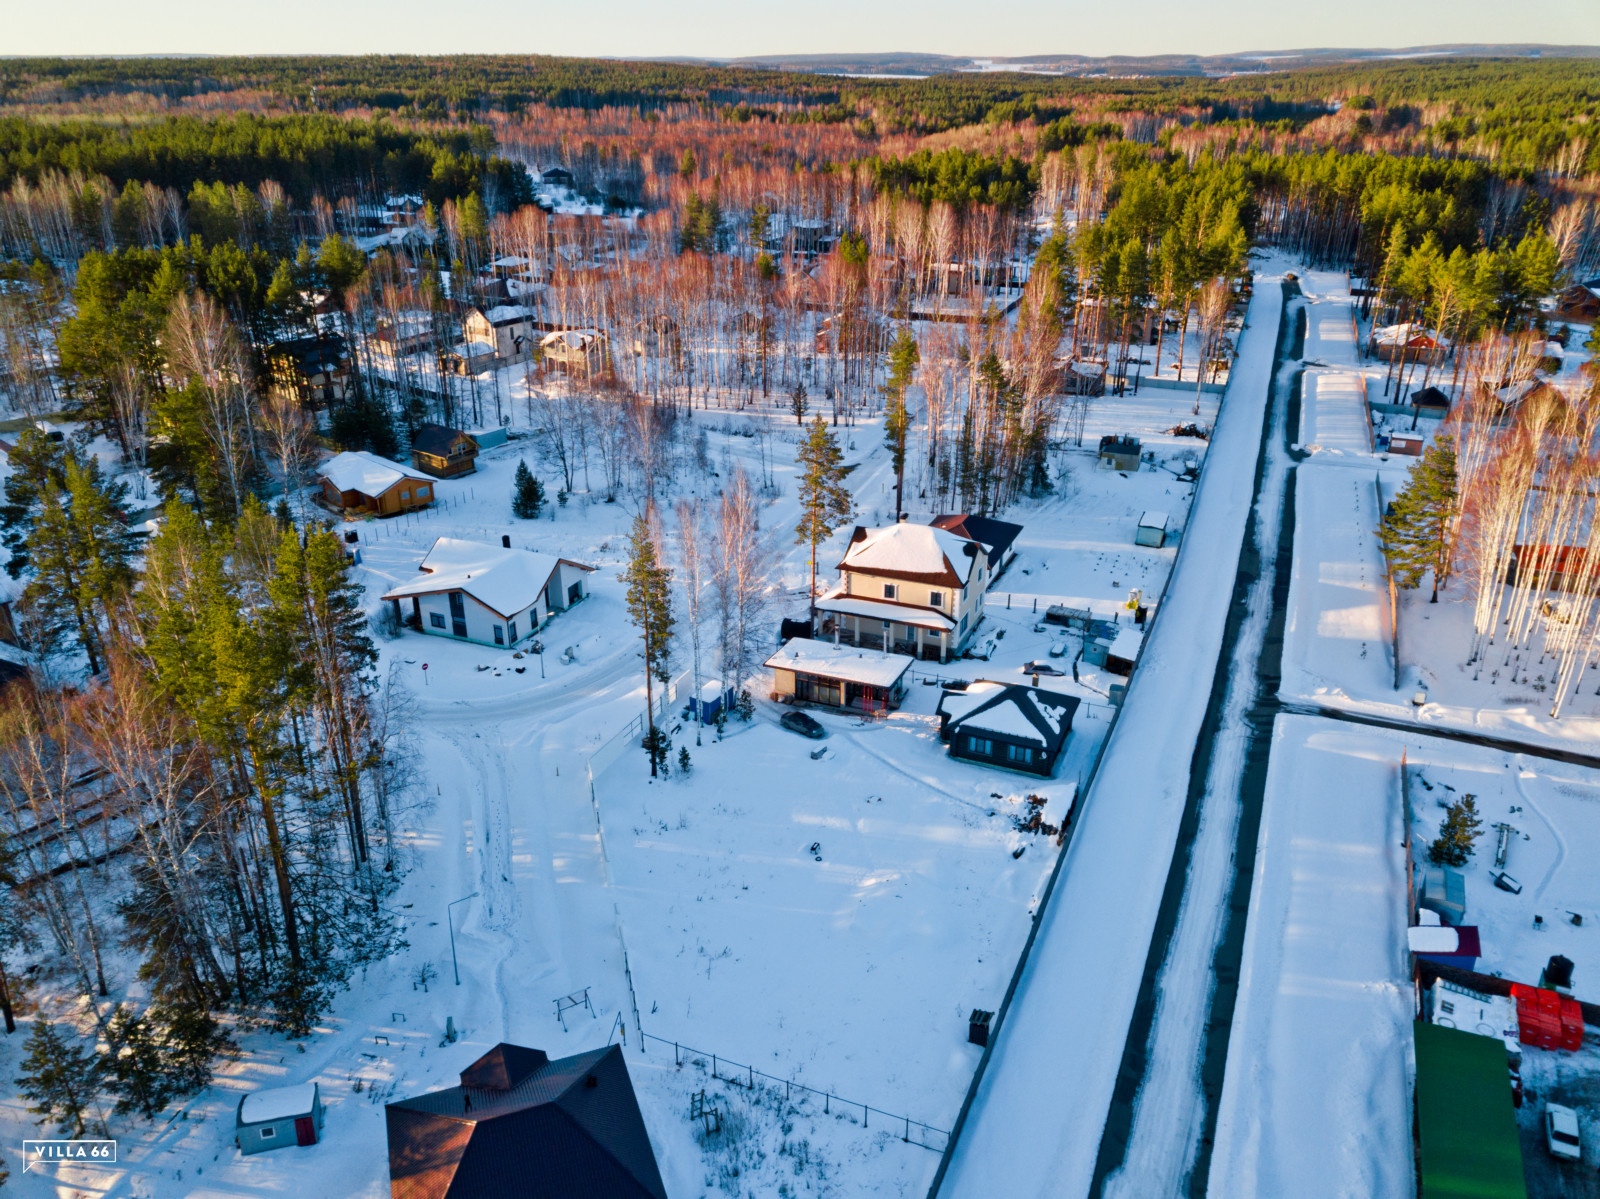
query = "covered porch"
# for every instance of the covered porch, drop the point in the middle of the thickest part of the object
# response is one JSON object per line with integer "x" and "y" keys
{"x": 922, "y": 633}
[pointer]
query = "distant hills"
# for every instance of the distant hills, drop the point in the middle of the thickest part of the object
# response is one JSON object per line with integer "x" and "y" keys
{"x": 1125, "y": 65}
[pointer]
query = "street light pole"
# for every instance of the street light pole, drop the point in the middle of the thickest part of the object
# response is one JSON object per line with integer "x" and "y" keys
{"x": 449, "y": 918}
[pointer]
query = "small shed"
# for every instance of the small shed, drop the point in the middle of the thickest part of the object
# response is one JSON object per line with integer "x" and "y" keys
{"x": 278, "y": 1116}
{"x": 1152, "y": 530}
{"x": 1120, "y": 451}
{"x": 1406, "y": 444}
{"x": 709, "y": 706}
{"x": 1123, "y": 651}
{"x": 1430, "y": 401}
{"x": 1444, "y": 891}
{"x": 1446, "y": 944}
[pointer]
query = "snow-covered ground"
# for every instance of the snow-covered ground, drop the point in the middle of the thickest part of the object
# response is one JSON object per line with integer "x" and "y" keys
{"x": 1316, "y": 1099}
{"x": 1051, "y": 1075}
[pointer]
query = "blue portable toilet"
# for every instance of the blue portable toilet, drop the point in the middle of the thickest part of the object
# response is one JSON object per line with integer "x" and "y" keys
{"x": 710, "y": 703}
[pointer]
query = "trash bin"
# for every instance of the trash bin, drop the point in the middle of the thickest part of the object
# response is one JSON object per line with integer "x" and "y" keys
{"x": 978, "y": 1027}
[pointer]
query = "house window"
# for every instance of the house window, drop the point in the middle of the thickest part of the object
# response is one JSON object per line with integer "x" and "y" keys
{"x": 437, "y": 619}
{"x": 513, "y": 632}
{"x": 268, "y": 1133}
{"x": 422, "y": 493}
{"x": 890, "y": 591}
{"x": 1019, "y": 753}
{"x": 980, "y": 745}
{"x": 405, "y": 495}
{"x": 963, "y": 624}
{"x": 936, "y": 599}
{"x": 499, "y": 635}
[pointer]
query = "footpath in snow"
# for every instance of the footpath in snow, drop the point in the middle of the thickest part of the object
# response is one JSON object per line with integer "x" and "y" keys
{"x": 1316, "y": 1098}
{"x": 1036, "y": 1120}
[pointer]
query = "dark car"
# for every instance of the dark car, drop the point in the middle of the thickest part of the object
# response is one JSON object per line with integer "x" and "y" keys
{"x": 799, "y": 722}
{"x": 1041, "y": 668}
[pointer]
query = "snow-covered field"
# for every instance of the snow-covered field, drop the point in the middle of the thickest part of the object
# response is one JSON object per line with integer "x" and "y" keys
{"x": 1317, "y": 1093}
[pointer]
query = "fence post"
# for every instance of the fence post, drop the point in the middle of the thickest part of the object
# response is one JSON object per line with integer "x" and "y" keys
{"x": 713, "y": 1065}
{"x": 752, "y": 1070}
{"x": 826, "y": 1100}
{"x": 907, "y": 1137}
{"x": 864, "y": 1110}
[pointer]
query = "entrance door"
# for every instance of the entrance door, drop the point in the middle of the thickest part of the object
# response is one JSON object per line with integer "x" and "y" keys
{"x": 305, "y": 1131}
{"x": 458, "y": 615}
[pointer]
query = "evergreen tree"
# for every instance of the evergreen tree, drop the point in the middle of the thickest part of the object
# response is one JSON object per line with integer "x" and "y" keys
{"x": 903, "y": 359}
{"x": 81, "y": 553}
{"x": 824, "y": 499}
{"x": 527, "y": 494}
{"x": 797, "y": 403}
{"x": 1416, "y": 531}
{"x": 684, "y": 764}
{"x": 649, "y": 600}
{"x": 36, "y": 462}
{"x": 60, "y": 1079}
{"x": 1454, "y": 844}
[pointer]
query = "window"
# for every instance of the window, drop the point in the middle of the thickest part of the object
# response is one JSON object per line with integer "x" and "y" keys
{"x": 963, "y": 624}
{"x": 936, "y": 599}
{"x": 268, "y": 1133}
{"x": 499, "y": 635}
{"x": 422, "y": 493}
{"x": 513, "y": 632}
{"x": 1019, "y": 753}
{"x": 980, "y": 745}
{"x": 405, "y": 495}
{"x": 437, "y": 619}
{"x": 890, "y": 591}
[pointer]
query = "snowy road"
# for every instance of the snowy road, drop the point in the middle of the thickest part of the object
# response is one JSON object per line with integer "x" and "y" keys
{"x": 1035, "y": 1123}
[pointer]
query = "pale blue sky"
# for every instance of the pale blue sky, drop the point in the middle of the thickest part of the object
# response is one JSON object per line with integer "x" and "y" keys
{"x": 730, "y": 27}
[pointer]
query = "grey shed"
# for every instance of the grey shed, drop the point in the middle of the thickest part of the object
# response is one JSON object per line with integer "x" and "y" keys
{"x": 279, "y": 1116}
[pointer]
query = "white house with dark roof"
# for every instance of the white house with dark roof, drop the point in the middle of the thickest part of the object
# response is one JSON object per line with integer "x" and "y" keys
{"x": 907, "y": 588}
{"x": 488, "y": 594}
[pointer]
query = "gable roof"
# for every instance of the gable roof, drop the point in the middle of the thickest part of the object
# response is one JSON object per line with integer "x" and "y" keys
{"x": 1021, "y": 713}
{"x": 504, "y": 581}
{"x": 507, "y": 314}
{"x": 920, "y": 553}
{"x": 276, "y": 1103}
{"x": 996, "y": 536}
{"x": 1430, "y": 397}
{"x": 561, "y": 1128}
{"x": 357, "y": 470}
{"x": 436, "y": 439}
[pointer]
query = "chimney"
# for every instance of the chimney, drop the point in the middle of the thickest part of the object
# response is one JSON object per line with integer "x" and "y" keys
{"x": 505, "y": 540}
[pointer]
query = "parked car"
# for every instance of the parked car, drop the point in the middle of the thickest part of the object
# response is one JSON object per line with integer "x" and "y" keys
{"x": 1041, "y": 668}
{"x": 1561, "y": 1132}
{"x": 799, "y": 722}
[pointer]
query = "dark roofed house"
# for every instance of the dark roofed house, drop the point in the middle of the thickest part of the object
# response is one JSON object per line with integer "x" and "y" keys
{"x": 443, "y": 452}
{"x": 1580, "y": 302}
{"x": 1007, "y": 724}
{"x": 1430, "y": 399}
{"x": 998, "y": 537}
{"x": 522, "y": 1125}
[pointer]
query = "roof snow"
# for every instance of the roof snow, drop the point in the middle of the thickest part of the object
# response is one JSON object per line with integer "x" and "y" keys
{"x": 277, "y": 1103}
{"x": 1126, "y": 644}
{"x": 1011, "y": 710}
{"x": 575, "y": 338}
{"x": 1153, "y": 520}
{"x": 1007, "y": 719}
{"x": 908, "y": 614}
{"x": 357, "y": 470}
{"x": 505, "y": 581}
{"x": 908, "y": 549}
{"x": 508, "y": 314}
{"x": 871, "y": 667}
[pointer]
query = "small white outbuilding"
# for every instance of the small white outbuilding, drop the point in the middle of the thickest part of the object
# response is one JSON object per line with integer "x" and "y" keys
{"x": 279, "y": 1116}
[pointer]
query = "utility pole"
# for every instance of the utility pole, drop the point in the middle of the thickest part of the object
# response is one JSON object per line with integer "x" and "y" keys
{"x": 449, "y": 918}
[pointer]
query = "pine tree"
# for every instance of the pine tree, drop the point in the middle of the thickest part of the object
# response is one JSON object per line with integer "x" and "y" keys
{"x": 797, "y": 403}
{"x": 824, "y": 499}
{"x": 650, "y": 607}
{"x": 1454, "y": 844}
{"x": 527, "y": 494}
{"x": 903, "y": 359}
{"x": 59, "y": 1078}
{"x": 1416, "y": 531}
{"x": 684, "y": 765}
{"x": 36, "y": 461}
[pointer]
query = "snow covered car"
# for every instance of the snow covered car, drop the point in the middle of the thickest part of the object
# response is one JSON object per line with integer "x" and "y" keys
{"x": 799, "y": 722}
{"x": 1561, "y": 1132}
{"x": 1041, "y": 668}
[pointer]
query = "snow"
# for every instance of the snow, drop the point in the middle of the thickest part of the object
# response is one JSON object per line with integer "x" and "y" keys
{"x": 278, "y": 1103}
{"x": 505, "y": 580}
{"x": 1126, "y": 644}
{"x": 1006, "y": 719}
{"x": 357, "y": 470}
{"x": 509, "y": 314}
{"x": 1056, "y": 1056}
{"x": 1333, "y": 413}
{"x": 1154, "y": 520}
{"x": 912, "y": 549}
{"x": 1316, "y": 1098}
{"x": 870, "y": 667}
{"x": 1439, "y": 938}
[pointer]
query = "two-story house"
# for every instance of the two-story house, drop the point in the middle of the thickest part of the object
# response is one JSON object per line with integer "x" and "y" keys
{"x": 512, "y": 329}
{"x": 913, "y": 589}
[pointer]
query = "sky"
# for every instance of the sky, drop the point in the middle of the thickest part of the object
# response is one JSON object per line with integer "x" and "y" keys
{"x": 719, "y": 28}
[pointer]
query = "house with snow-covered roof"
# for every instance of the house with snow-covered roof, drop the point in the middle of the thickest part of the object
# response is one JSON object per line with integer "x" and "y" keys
{"x": 582, "y": 351}
{"x": 276, "y": 1117}
{"x": 361, "y": 484}
{"x": 509, "y": 328}
{"x": 492, "y": 595}
{"x": 1007, "y": 724}
{"x": 907, "y": 588}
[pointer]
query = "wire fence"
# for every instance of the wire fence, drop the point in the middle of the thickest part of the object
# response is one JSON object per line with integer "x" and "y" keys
{"x": 913, "y": 1132}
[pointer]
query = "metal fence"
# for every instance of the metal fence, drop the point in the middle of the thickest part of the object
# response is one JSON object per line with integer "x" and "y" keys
{"x": 913, "y": 1132}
